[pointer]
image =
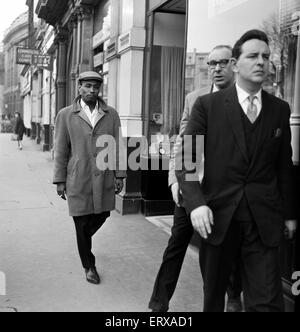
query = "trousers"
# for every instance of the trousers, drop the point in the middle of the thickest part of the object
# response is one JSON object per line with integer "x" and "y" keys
{"x": 86, "y": 227}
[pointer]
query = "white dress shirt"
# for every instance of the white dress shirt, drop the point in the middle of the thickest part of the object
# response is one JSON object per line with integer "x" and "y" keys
{"x": 92, "y": 116}
{"x": 215, "y": 89}
{"x": 244, "y": 101}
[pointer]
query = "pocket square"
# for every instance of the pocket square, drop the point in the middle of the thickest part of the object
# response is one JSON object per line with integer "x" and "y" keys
{"x": 277, "y": 133}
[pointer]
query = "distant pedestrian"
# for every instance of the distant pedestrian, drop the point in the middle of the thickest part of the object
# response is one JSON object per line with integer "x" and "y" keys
{"x": 90, "y": 191}
{"x": 19, "y": 129}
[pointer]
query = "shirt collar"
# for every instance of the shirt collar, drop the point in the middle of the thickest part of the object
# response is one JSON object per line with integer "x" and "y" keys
{"x": 86, "y": 107}
{"x": 243, "y": 95}
{"x": 215, "y": 88}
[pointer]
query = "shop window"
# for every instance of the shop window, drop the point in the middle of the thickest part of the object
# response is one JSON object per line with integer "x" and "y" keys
{"x": 167, "y": 73}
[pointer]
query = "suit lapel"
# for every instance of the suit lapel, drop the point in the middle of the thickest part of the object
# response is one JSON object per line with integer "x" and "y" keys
{"x": 233, "y": 110}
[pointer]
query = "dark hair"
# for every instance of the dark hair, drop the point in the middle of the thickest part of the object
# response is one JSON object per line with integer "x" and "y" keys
{"x": 249, "y": 35}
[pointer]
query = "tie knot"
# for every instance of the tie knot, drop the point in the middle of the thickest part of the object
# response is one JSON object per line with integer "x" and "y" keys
{"x": 252, "y": 99}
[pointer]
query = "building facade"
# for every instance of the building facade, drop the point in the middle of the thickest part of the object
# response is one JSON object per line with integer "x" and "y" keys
{"x": 15, "y": 36}
{"x": 2, "y": 80}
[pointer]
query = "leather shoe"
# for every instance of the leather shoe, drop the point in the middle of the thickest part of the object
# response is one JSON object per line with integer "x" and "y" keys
{"x": 92, "y": 276}
{"x": 234, "y": 305}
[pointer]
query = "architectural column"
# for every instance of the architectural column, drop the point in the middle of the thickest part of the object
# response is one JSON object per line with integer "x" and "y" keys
{"x": 34, "y": 107}
{"x": 126, "y": 67}
{"x": 86, "y": 42}
{"x": 295, "y": 120}
{"x": 61, "y": 39}
{"x": 39, "y": 105}
{"x": 112, "y": 55}
{"x": 74, "y": 28}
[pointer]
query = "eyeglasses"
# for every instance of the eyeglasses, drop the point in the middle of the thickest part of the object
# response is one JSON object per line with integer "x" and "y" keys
{"x": 213, "y": 64}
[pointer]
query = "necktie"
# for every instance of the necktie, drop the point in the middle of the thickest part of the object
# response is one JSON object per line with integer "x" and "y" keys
{"x": 252, "y": 109}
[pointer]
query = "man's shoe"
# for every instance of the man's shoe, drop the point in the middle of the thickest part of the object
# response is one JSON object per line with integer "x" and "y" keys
{"x": 92, "y": 276}
{"x": 234, "y": 305}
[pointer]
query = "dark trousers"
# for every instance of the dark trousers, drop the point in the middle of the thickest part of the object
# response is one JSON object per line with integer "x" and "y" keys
{"x": 167, "y": 278}
{"x": 260, "y": 270}
{"x": 86, "y": 228}
{"x": 168, "y": 274}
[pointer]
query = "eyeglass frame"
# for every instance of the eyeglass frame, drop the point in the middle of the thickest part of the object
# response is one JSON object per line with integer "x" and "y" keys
{"x": 223, "y": 63}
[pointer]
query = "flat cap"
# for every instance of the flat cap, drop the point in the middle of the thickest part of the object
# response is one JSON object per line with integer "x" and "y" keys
{"x": 90, "y": 75}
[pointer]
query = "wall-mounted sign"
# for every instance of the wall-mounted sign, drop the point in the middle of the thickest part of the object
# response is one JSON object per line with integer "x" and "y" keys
{"x": 98, "y": 59}
{"x": 43, "y": 61}
{"x": 24, "y": 55}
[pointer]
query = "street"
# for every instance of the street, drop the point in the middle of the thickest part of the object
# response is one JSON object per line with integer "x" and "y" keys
{"x": 38, "y": 252}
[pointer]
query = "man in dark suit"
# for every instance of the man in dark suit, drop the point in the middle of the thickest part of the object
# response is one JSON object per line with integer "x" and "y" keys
{"x": 182, "y": 229}
{"x": 246, "y": 195}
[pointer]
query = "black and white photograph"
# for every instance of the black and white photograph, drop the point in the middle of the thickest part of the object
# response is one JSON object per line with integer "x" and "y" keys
{"x": 149, "y": 158}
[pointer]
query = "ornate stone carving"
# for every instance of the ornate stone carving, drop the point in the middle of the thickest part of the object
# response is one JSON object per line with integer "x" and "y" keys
{"x": 85, "y": 12}
{"x": 62, "y": 34}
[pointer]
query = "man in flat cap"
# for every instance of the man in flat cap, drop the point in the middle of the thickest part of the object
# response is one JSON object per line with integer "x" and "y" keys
{"x": 78, "y": 173}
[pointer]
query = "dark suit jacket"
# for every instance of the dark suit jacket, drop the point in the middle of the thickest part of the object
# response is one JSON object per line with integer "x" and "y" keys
{"x": 266, "y": 180}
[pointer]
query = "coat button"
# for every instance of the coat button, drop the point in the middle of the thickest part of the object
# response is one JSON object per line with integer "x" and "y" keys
{"x": 95, "y": 155}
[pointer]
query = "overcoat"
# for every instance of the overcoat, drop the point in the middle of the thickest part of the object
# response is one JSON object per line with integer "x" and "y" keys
{"x": 78, "y": 152}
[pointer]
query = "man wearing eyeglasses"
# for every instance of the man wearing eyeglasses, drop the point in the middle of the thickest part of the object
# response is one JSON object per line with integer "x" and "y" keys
{"x": 222, "y": 77}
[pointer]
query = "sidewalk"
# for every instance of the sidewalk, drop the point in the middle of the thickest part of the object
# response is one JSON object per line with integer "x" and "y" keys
{"x": 38, "y": 252}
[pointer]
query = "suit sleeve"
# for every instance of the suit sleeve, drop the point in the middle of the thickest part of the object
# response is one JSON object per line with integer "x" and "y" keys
{"x": 189, "y": 158}
{"x": 285, "y": 169}
{"x": 183, "y": 124}
{"x": 62, "y": 150}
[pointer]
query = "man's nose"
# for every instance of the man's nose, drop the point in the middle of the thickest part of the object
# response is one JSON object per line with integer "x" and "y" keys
{"x": 261, "y": 60}
{"x": 218, "y": 67}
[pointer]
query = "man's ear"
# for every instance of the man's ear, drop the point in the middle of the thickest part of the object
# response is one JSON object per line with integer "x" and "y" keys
{"x": 233, "y": 62}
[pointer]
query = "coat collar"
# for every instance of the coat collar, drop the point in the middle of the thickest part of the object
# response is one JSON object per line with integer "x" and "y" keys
{"x": 77, "y": 109}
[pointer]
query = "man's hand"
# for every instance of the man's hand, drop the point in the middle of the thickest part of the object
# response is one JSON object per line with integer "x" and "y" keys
{"x": 290, "y": 229}
{"x": 119, "y": 184}
{"x": 61, "y": 190}
{"x": 203, "y": 219}
{"x": 175, "y": 193}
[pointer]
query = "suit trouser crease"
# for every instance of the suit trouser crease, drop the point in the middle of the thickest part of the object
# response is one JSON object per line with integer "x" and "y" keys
{"x": 260, "y": 270}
